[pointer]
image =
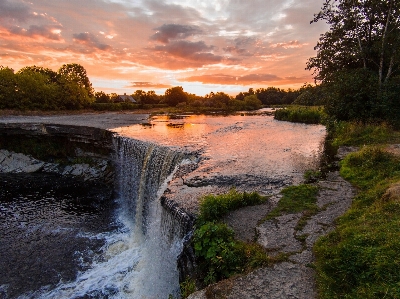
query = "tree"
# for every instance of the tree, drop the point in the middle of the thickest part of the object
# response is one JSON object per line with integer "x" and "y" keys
{"x": 8, "y": 88}
{"x": 52, "y": 75}
{"x": 76, "y": 73}
{"x": 358, "y": 58}
{"x": 363, "y": 34}
{"x": 102, "y": 97}
{"x": 252, "y": 102}
{"x": 36, "y": 91}
{"x": 175, "y": 95}
{"x": 271, "y": 95}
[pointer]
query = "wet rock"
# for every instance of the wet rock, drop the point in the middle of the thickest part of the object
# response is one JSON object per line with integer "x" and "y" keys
{"x": 11, "y": 162}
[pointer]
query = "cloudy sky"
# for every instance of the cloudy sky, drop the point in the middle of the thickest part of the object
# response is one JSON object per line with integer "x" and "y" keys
{"x": 201, "y": 45}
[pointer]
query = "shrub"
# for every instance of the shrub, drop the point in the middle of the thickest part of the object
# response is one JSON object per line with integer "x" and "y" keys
{"x": 219, "y": 254}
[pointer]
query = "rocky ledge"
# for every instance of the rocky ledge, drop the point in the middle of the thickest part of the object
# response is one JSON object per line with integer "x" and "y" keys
{"x": 295, "y": 277}
{"x": 98, "y": 169}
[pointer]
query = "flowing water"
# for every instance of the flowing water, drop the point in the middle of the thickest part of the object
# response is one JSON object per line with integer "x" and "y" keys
{"x": 72, "y": 242}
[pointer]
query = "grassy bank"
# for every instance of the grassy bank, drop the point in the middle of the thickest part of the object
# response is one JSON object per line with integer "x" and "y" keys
{"x": 301, "y": 114}
{"x": 360, "y": 259}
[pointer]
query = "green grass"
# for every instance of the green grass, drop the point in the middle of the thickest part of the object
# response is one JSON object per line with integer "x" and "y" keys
{"x": 296, "y": 199}
{"x": 361, "y": 259}
{"x": 359, "y": 134}
{"x": 214, "y": 207}
{"x": 301, "y": 114}
{"x": 219, "y": 255}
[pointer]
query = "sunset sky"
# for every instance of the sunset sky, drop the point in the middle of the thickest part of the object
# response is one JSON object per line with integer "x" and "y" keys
{"x": 201, "y": 45}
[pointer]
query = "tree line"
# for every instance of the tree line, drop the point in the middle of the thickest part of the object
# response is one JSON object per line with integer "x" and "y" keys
{"x": 69, "y": 88}
{"x": 39, "y": 88}
{"x": 357, "y": 62}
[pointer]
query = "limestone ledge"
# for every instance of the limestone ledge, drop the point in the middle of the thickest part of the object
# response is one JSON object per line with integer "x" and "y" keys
{"x": 11, "y": 162}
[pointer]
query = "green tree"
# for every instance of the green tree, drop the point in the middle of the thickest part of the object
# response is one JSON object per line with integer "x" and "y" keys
{"x": 175, "y": 95}
{"x": 102, "y": 97}
{"x": 52, "y": 75}
{"x": 8, "y": 88}
{"x": 358, "y": 58}
{"x": 36, "y": 91}
{"x": 150, "y": 97}
{"x": 363, "y": 34}
{"x": 271, "y": 95}
{"x": 73, "y": 96}
{"x": 76, "y": 73}
{"x": 252, "y": 102}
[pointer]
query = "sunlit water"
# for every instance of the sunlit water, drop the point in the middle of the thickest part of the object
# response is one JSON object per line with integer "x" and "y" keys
{"x": 126, "y": 248}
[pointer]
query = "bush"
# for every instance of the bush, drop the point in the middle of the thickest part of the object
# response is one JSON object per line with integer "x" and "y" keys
{"x": 219, "y": 254}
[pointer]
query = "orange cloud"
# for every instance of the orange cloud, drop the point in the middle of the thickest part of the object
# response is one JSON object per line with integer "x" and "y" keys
{"x": 231, "y": 80}
{"x": 147, "y": 85}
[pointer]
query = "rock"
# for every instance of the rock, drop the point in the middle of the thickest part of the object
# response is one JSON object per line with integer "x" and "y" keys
{"x": 279, "y": 234}
{"x": 14, "y": 163}
{"x": 11, "y": 162}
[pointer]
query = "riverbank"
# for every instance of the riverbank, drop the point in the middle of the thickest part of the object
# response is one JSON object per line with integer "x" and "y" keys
{"x": 358, "y": 220}
{"x": 294, "y": 277}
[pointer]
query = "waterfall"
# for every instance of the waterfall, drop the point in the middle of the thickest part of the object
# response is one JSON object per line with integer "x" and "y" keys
{"x": 140, "y": 260}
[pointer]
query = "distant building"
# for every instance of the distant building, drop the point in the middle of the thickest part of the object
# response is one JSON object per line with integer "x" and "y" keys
{"x": 124, "y": 98}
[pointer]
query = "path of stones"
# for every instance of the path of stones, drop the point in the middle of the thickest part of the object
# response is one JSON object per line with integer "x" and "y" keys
{"x": 293, "y": 278}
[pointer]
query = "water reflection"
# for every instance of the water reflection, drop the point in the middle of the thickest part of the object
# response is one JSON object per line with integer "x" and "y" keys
{"x": 255, "y": 144}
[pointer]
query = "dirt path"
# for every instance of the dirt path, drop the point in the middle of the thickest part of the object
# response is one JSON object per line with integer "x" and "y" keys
{"x": 293, "y": 278}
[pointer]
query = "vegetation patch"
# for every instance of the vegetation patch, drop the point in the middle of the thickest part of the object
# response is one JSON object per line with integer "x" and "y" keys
{"x": 360, "y": 258}
{"x": 301, "y": 114}
{"x": 219, "y": 255}
{"x": 295, "y": 199}
{"x": 359, "y": 133}
{"x": 214, "y": 207}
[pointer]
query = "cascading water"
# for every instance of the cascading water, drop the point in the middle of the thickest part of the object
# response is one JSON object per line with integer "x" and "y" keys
{"x": 140, "y": 260}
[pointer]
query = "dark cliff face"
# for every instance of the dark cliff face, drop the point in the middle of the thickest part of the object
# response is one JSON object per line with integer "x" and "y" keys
{"x": 67, "y": 150}
{"x": 55, "y": 141}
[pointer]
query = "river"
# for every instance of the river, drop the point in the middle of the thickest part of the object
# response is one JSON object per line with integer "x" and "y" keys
{"x": 63, "y": 240}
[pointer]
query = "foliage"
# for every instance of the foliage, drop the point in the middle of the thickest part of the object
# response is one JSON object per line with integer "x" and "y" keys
{"x": 8, "y": 86}
{"x": 353, "y": 95}
{"x": 252, "y": 102}
{"x": 357, "y": 133}
{"x": 219, "y": 254}
{"x": 360, "y": 258}
{"x": 301, "y": 114}
{"x": 75, "y": 73}
{"x": 296, "y": 199}
{"x": 363, "y": 34}
{"x": 357, "y": 59}
{"x": 213, "y": 207}
{"x": 215, "y": 245}
{"x": 175, "y": 95}
{"x": 312, "y": 176}
{"x": 187, "y": 287}
{"x": 38, "y": 88}
{"x": 310, "y": 95}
